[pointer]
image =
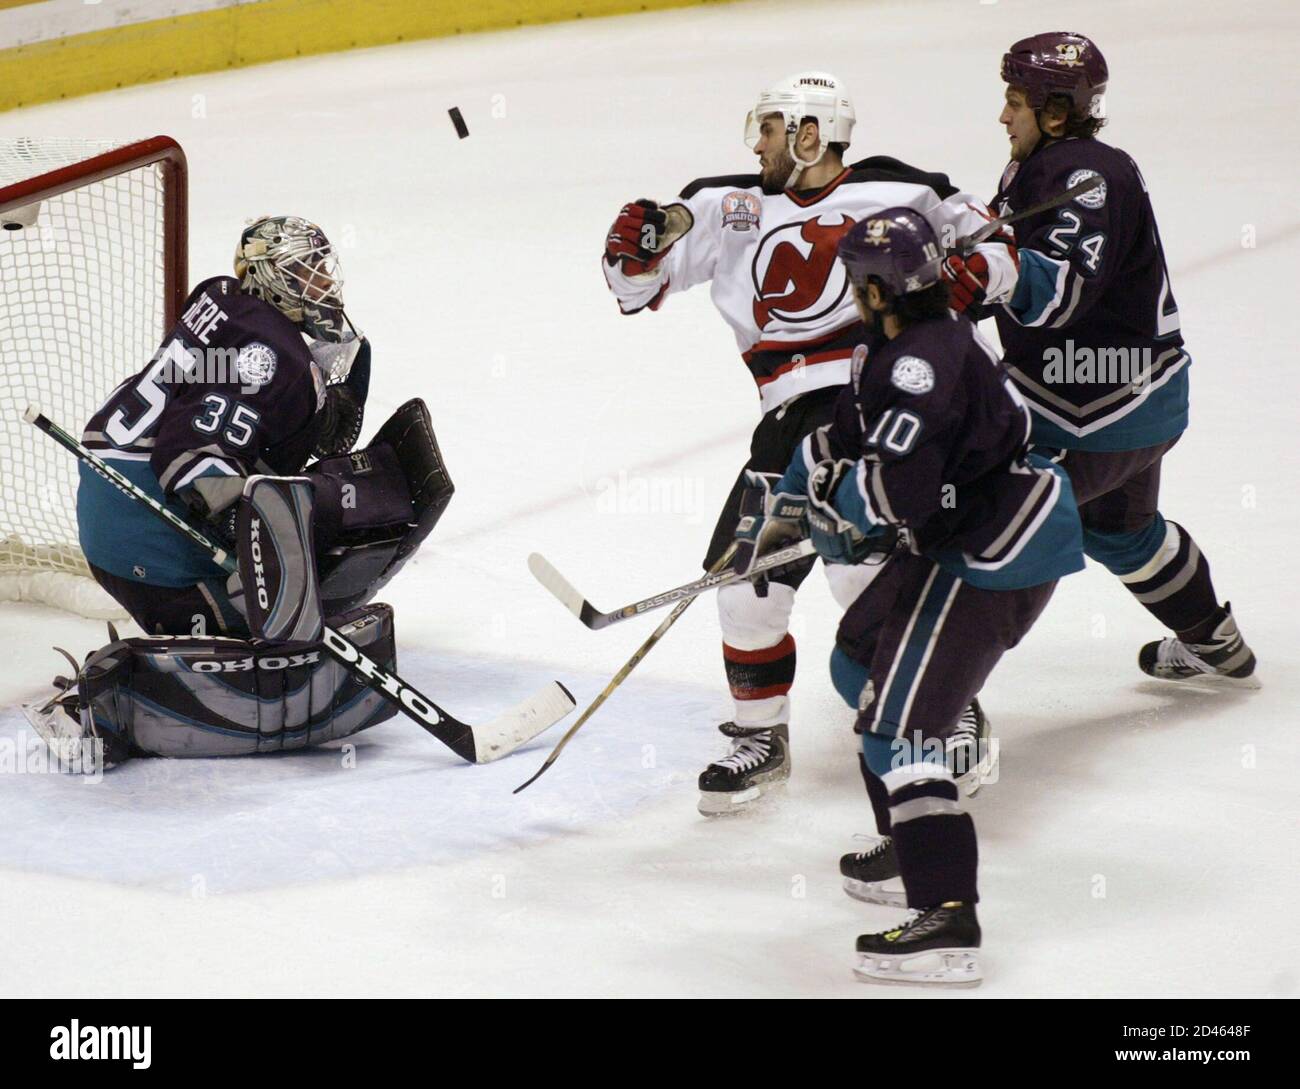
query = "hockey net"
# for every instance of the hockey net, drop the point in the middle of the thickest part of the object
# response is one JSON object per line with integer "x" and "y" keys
{"x": 92, "y": 275}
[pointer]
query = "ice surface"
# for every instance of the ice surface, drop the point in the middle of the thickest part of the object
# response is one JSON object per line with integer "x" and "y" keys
{"x": 1136, "y": 829}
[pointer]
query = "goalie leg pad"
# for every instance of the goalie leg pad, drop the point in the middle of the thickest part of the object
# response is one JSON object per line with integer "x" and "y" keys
{"x": 277, "y": 563}
{"x": 186, "y": 697}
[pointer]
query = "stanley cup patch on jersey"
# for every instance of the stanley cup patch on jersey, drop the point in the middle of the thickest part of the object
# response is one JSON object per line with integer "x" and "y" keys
{"x": 741, "y": 211}
{"x": 1093, "y": 198}
{"x": 912, "y": 374}
{"x": 256, "y": 364}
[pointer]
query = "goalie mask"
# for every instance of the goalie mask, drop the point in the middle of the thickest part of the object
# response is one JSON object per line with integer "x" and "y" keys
{"x": 289, "y": 263}
{"x": 816, "y": 95}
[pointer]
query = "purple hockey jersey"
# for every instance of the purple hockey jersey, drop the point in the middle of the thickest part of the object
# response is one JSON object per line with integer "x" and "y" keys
{"x": 232, "y": 391}
{"x": 939, "y": 435}
{"x": 1091, "y": 334}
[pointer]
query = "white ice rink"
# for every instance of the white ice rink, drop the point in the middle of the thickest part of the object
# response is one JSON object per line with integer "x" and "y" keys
{"x": 1142, "y": 839}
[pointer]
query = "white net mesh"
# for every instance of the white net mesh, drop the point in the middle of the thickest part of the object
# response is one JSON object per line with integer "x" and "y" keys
{"x": 82, "y": 305}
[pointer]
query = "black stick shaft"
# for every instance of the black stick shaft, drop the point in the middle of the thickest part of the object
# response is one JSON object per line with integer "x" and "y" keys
{"x": 969, "y": 242}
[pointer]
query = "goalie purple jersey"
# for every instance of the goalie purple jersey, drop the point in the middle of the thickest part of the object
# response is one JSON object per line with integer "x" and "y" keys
{"x": 233, "y": 390}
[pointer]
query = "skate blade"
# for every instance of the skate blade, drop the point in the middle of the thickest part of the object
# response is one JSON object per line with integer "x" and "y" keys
{"x": 41, "y": 720}
{"x": 940, "y": 968}
{"x": 1212, "y": 682}
{"x": 877, "y": 892}
{"x": 986, "y": 771}
{"x": 725, "y": 803}
{"x": 76, "y": 754}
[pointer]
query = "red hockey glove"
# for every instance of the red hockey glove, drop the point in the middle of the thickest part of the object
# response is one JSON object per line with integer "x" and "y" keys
{"x": 643, "y": 233}
{"x": 968, "y": 279}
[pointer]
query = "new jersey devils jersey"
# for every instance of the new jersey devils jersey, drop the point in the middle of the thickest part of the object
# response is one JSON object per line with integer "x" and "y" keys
{"x": 771, "y": 263}
{"x": 232, "y": 391}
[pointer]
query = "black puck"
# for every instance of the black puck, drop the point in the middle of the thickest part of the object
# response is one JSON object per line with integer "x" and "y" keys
{"x": 462, "y": 129}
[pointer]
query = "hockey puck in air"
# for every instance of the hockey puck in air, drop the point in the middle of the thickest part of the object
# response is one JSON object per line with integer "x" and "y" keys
{"x": 462, "y": 130}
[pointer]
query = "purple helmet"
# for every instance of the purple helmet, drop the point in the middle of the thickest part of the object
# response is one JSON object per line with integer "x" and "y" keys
{"x": 1058, "y": 63}
{"x": 898, "y": 246}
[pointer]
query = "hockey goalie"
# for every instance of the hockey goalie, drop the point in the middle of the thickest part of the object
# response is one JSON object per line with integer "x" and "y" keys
{"x": 262, "y": 374}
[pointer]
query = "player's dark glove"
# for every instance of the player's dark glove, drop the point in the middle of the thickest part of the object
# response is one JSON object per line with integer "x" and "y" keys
{"x": 769, "y": 521}
{"x": 837, "y": 539}
{"x": 643, "y": 234}
{"x": 968, "y": 280}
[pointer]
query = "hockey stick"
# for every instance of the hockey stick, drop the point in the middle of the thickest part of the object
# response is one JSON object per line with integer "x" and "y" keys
{"x": 585, "y": 611}
{"x": 968, "y": 242}
{"x": 476, "y": 744}
{"x": 623, "y": 673}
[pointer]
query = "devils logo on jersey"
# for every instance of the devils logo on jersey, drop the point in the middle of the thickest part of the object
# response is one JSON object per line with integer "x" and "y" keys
{"x": 796, "y": 276}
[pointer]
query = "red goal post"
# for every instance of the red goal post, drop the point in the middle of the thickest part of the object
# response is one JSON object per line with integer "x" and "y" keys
{"x": 93, "y": 272}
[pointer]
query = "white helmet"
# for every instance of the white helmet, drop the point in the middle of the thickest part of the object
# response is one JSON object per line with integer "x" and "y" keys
{"x": 809, "y": 94}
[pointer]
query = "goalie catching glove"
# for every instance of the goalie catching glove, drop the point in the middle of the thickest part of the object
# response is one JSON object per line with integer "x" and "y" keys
{"x": 376, "y": 506}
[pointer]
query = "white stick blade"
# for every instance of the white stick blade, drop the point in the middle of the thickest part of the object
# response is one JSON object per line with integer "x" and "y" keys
{"x": 556, "y": 583}
{"x": 521, "y": 724}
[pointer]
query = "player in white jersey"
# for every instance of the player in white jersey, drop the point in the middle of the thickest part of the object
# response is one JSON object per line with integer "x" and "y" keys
{"x": 765, "y": 243}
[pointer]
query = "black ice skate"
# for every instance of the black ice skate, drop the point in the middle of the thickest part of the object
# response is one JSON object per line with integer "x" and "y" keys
{"x": 872, "y": 875}
{"x": 970, "y": 751}
{"x": 936, "y": 946}
{"x": 1224, "y": 657}
{"x": 759, "y": 760}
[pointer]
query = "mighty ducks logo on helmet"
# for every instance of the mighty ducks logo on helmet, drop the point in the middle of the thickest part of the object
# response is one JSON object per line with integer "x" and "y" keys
{"x": 876, "y": 233}
{"x": 1069, "y": 54}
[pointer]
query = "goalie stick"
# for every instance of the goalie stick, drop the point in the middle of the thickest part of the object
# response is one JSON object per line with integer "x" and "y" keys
{"x": 622, "y": 674}
{"x": 584, "y": 610}
{"x": 478, "y": 744}
{"x": 968, "y": 242}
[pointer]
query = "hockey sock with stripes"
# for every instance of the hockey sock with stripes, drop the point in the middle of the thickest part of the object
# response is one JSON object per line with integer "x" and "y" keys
{"x": 759, "y": 675}
{"x": 1175, "y": 586}
{"x": 935, "y": 843}
{"x": 879, "y": 797}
